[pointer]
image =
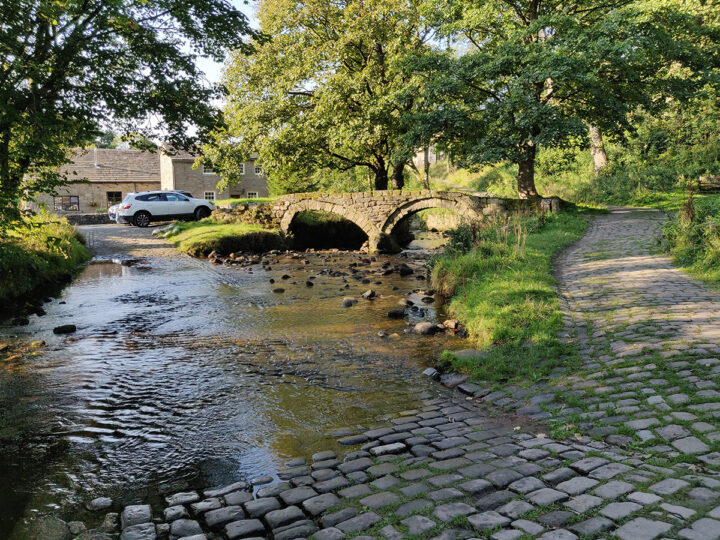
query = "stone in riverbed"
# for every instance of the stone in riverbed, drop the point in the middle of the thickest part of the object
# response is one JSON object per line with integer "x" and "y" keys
{"x": 47, "y": 528}
{"x": 175, "y": 512}
{"x": 185, "y": 527}
{"x": 216, "y": 519}
{"x": 237, "y": 497}
{"x": 348, "y": 301}
{"x": 367, "y": 295}
{"x": 396, "y": 313}
{"x": 182, "y": 498}
{"x": 134, "y": 515}
{"x": 100, "y": 503}
{"x": 65, "y": 329}
{"x": 142, "y": 531}
{"x": 425, "y": 328}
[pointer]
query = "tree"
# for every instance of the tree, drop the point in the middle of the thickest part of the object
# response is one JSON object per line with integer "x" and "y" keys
{"x": 328, "y": 90}
{"x": 68, "y": 67}
{"x": 537, "y": 72}
{"x": 106, "y": 139}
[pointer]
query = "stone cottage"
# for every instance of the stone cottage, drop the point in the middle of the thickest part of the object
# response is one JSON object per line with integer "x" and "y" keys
{"x": 110, "y": 174}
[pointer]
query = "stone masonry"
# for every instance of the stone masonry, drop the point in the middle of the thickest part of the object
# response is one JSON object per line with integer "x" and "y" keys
{"x": 377, "y": 213}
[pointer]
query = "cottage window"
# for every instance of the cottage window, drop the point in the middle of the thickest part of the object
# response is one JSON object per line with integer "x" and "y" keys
{"x": 209, "y": 196}
{"x": 252, "y": 194}
{"x": 208, "y": 170}
{"x": 242, "y": 168}
{"x": 67, "y": 204}
{"x": 258, "y": 170}
{"x": 114, "y": 197}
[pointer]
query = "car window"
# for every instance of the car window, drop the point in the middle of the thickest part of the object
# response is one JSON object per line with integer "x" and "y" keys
{"x": 152, "y": 197}
{"x": 175, "y": 197}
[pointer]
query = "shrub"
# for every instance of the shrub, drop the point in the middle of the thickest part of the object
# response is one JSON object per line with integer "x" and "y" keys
{"x": 44, "y": 251}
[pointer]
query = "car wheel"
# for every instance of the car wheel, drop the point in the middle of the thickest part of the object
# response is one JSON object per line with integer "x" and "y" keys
{"x": 141, "y": 219}
{"x": 202, "y": 213}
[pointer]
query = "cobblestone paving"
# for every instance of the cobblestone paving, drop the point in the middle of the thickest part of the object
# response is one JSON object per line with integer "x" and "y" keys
{"x": 638, "y": 458}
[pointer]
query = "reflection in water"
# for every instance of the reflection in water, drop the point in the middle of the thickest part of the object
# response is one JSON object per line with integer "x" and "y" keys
{"x": 182, "y": 373}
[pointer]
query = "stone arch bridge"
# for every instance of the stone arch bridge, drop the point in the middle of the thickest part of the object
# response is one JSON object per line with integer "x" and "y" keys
{"x": 377, "y": 213}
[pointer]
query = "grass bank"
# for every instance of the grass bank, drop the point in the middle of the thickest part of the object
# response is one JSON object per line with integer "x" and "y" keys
{"x": 43, "y": 252}
{"x": 200, "y": 238}
{"x": 500, "y": 283}
{"x": 692, "y": 236}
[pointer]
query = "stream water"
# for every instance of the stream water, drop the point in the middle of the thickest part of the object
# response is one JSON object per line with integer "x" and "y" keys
{"x": 184, "y": 374}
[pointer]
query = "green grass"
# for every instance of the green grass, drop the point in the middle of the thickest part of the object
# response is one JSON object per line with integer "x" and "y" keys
{"x": 693, "y": 239}
{"x": 256, "y": 200}
{"x": 44, "y": 251}
{"x": 200, "y": 238}
{"x": 503, "y": 290}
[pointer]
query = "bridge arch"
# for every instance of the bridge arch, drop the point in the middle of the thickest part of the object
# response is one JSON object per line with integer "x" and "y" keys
{"x": 346, "y": 211}
{"x": 409, "y": 208}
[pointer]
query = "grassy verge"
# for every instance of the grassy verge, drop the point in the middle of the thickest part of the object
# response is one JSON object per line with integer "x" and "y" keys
{"x": 502, "y": 288}
{"x": 43, "y": 252}
{"x": 256, "y": 200}
{"x": 692, "y": 236}
{"x": 200, "y": 238}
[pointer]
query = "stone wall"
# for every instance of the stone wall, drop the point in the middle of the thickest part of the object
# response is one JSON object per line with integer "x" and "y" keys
{"x": 197, "y": 181}
{"x": 88, "y": 219}
{"x": 92, "y": 196}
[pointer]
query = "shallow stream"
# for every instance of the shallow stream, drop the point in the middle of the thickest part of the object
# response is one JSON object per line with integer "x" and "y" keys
{"x": 183, "y": 373}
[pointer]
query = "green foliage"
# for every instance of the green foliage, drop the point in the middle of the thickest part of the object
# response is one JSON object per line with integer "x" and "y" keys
{"x": 501, "y": 286}
{"x": 41, "y": 252}
{"x": 693, "y": 236}
{"x": 200, "y": 238}
{"x": 69, "y": 67}
{"x": 533, "y": 75}
{"x": 328, "y": 90}
{"x": 325, "y": 179}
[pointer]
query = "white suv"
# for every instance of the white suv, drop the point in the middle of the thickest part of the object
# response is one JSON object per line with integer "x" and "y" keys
{"x": 142, "y": 208}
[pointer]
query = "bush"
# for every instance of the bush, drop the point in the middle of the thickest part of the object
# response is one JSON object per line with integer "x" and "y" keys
{"x": 692, "y": 236}
{"x": 43, "y": 252}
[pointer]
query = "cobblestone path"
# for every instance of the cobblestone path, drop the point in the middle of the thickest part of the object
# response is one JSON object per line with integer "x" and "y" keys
{"x": 635, "y": 454}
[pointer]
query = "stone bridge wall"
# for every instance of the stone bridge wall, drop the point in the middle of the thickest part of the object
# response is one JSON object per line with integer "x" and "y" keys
{"x": 377, "y": 213}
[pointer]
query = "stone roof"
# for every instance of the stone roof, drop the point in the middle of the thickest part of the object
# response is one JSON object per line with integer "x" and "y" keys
{"x": 114, "y": 166}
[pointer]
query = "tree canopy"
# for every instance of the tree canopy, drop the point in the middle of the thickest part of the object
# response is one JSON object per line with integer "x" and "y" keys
{"x": 535, "y": 73}
{"x": 67, "y": 68}
{"x": 328, "y": 90}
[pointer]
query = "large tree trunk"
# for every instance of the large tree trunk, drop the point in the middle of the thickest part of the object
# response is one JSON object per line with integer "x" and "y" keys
{"x": 398, "y": 177}
{"x": 381, "y": 178}
{"x": 597, "y": 149}
{"x": 526, "y": 171}
{"x": 426, "y": 168}
{"x": 9, "y": 184}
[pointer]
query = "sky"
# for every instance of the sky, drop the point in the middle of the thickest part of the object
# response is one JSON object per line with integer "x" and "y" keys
{"x": 212, "y": 69}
